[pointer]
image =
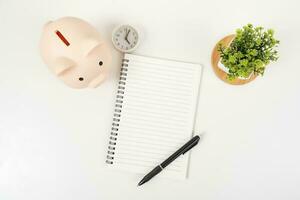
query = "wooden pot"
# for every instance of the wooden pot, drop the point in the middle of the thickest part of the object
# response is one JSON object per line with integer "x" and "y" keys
{"x": 215, "y": 58}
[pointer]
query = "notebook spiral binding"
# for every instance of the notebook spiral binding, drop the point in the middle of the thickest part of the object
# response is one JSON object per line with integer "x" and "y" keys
{"x": 117, "y": 113}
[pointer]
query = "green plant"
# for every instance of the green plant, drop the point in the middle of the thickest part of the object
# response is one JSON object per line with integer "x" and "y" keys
{"x": 249, "y": 52}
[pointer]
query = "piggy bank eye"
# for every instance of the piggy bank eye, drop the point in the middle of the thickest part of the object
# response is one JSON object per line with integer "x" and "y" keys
{"x": 100, "y": 63}
{"x": 81, "y": 78}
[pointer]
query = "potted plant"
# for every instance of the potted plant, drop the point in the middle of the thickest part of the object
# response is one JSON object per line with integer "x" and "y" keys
{"x": 238, "y": 59}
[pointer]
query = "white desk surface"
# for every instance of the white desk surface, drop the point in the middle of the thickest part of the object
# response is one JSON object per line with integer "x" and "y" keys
{"x": 53, "y": 139}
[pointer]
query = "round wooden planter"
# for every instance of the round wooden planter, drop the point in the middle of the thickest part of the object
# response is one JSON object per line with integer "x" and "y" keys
{"x": 215, "y": 58}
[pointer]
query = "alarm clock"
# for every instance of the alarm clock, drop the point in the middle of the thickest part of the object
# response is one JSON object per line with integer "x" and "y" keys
{"x": 125, "y": 38}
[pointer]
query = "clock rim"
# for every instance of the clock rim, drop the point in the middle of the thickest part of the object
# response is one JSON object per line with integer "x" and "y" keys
{"x": 122, "y": 50}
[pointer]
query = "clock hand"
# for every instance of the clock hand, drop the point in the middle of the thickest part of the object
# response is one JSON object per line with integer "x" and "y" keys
{"x": 127, "y": 34}
{"x": 126, "y": 37}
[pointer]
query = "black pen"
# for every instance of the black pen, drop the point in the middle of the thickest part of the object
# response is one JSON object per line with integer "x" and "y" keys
{"x": 185, "y": 148}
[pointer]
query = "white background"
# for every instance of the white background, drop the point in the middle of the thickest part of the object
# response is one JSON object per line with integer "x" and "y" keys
{"x": 53, "y": 139}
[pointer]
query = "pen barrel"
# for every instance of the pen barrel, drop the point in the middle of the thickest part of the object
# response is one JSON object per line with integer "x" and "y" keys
{"x": 185, "y": 148}
{"x": 170, "y": 159}
{"x": 153, "y": 173}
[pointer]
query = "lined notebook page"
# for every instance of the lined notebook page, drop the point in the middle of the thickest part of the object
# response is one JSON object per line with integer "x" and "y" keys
{"x": 157, "y": 114}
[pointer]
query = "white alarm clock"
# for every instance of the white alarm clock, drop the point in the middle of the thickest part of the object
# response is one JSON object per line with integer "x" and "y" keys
{"x": 125, "y": 38}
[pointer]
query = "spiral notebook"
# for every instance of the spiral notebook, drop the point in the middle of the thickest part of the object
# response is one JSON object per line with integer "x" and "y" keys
{"x": 154, "y": 114}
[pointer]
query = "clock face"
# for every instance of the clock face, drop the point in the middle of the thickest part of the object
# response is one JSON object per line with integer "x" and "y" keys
{"x": 125, "y": 38}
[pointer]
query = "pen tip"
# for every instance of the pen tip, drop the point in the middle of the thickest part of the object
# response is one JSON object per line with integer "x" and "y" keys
{"x": 141, "y": 182}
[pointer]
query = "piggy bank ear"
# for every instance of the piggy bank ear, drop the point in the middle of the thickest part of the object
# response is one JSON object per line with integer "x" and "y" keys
{"x": 89, "y": 44}
{"x": 61, "y": 65}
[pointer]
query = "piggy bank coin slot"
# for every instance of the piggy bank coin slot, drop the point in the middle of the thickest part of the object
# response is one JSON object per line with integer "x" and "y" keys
{"x": 62, "y": 38}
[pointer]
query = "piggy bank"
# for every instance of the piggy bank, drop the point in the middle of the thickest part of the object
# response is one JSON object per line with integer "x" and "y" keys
{"x": 75, "y": 52}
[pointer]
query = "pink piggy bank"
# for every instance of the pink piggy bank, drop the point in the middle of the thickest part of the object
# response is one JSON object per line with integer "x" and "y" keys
{"x": 75, "y": 52}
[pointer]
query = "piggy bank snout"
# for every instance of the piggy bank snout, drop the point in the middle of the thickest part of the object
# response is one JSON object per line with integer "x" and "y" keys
{"x": 90, "y": 73}
{"x": 87, "y": 71}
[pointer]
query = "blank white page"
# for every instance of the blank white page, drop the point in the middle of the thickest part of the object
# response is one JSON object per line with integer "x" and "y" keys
{"x": 157, "y": 114}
